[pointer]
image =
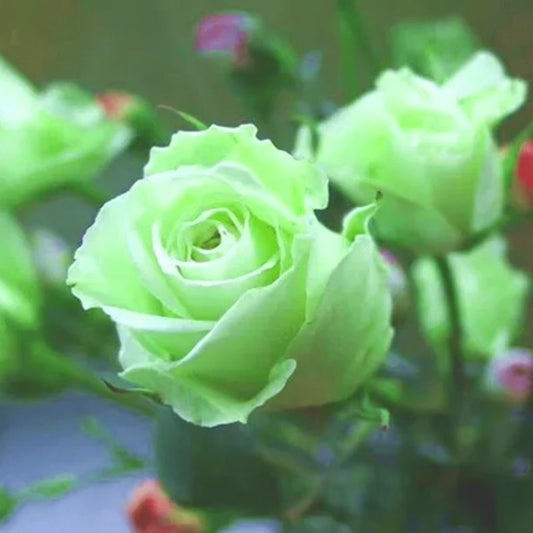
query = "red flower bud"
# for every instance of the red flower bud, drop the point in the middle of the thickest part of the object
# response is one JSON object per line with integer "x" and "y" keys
{"x": 115, "y": 104}
{"x": 226, "y": 34}
{"x": 150, "y": 510}
{"x": 524, "y": 171}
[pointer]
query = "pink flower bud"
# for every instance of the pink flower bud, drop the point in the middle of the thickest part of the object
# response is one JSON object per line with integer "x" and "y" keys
{"x": 226, "y": 34}
{"x": 150, "y": 510}
{"x": 510, "y": 375}
{"x": 524, "y": 172}
{"x": 115, "y": 104}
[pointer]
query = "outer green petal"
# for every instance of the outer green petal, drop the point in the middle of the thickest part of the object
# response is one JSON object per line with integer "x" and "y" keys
{"x": 414, "y": 226}
{"x": 348, "y": 336}
{"x": 484, "y": 90}
{"x": 18, "y": 100}
{"x": 431, "y": 302}
{"x": 492, "y": 296}
{"x": 19, "y": 293}
{"x": 362, "y": 142}
{"x": 63, "y": 138}
{"x": 200, "y": 403}
{"x": 103, "y": 273}
{"x": 239, "y": 364}
{"x": 49, "y": 152}
{"x": 294, "y": 182}
{"x": 164, "y": 338}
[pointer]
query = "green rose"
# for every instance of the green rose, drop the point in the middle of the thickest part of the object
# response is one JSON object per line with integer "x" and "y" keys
{"x": 51, "y": 139}
{"x": 492, "y": 297}
{"x": 226, "y": 291}
{"x": 428, "y": 148}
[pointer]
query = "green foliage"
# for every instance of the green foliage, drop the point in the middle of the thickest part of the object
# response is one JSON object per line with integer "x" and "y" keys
{"x": 434, "y": 49}
{"x": 213, "y": 468}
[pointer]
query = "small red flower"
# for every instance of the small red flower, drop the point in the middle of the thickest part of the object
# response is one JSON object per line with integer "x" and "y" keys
{"x": 115, "y": 104}
{"x": 524, "y": 170}
{"x": 148, "y": 505}
{"x": 150, "y": 510}
{"x": 227, "y": 33}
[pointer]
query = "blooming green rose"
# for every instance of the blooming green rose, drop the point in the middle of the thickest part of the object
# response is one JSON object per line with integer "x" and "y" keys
{"x": 51, "y": 139}
{"x": 226, "y": 291}
{"x": 492, "y": 297}
{"x": 428, "y": 148}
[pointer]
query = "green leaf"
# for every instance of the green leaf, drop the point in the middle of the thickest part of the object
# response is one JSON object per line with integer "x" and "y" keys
{"x": 7, "y": 503}
{"x": 124, "y": 459}
{"x": 196, "y": 123}
{"x": 49, "y": 488}
{"x": 217, "y": 467}
{"x": 435, "y": 49}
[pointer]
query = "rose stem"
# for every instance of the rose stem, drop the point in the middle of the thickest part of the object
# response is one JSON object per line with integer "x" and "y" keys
{"x": 456, "y": 381}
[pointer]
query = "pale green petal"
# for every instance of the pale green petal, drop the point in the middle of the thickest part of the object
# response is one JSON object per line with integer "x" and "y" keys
{"x": 239, "y": 364}
{"x": 49, "y": 152}
{"x": 415, "y": 227}
{"x": 492, "y": 296}
{"x": 357, "y": 221}
{"x": 68, "y": 101}
{"x": 327, "y": 250}
{"x": 362, "y": 150}
{"x": 348, "y": 337}
{"x": 209, "y": 300}
{"x": 19, "y": 291}
{"x": 18, "y": 100}
{"x": 64, "y": 139}
{"x": 255, "y": 246}
{"x": 103, "y": 272}
{"x": 163, "y": 338}
{"x": 201, "y": 403}
{"x": 484, "y": 90}
{"x": 431, "y": 301}
{"x": 294, "y": 183}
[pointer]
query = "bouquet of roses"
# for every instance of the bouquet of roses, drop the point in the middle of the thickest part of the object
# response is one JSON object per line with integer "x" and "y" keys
{"x": 320, "y": 332}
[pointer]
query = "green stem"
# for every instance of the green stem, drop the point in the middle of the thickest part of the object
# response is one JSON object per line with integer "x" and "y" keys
{"x": 84, "y": 379}
{"x": 354, "y": 36}
{"x": 505, "y": 222}
{"x": 455, "y": 348}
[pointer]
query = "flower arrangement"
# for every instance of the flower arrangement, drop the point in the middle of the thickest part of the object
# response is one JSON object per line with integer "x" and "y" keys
{"x": 320, "y": 329}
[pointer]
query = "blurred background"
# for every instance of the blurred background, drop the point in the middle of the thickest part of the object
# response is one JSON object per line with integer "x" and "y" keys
{"x": 147, "y": 48}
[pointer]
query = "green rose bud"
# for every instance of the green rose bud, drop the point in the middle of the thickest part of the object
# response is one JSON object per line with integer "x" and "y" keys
{"x": 225, "y": 289}
{"x": 51, "y": 139}
{"x": 492, "y": 296}
{"x": 428, "y": 148}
